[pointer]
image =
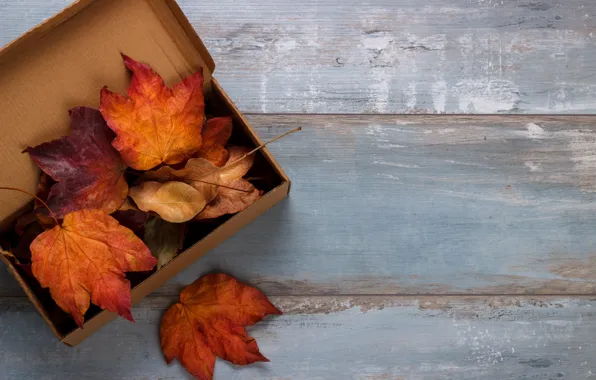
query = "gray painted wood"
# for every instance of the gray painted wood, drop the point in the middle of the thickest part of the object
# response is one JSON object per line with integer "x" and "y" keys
{"x": 421, "y": 205}
{"x": 327, "y": 338}
{"x": 388, "y": 56}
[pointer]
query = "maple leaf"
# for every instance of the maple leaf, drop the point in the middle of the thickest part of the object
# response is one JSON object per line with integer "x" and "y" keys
{"x": 228, "y": 199}
{"x": 209, "y": 321}
{"x": 164, "y": 239}
{"x": 216, "y": 133}
{"x": 84, "y": 260}
{"x": 87, "y": 169}
{"x": 154, "y": 124}
{"x": 174, "y": 201}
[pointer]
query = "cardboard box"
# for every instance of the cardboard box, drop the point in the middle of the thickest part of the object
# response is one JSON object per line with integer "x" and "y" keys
{"x": 63, "y": 63}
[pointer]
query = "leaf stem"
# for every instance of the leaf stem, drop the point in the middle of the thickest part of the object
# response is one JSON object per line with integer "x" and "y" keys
{"x": 36, "y": 197}
{"x": 261, "y": 147}
{"x": 255, "y": 150}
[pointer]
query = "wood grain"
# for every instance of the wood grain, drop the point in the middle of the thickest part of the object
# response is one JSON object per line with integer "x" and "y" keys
{"x": 327, "y": 338}
{"x": 418, "y": 204}
{"x": 388, "y": 56}
{"x": 423, "y": 205}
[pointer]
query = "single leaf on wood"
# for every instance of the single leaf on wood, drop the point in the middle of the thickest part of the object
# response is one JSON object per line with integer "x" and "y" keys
{"x": 85, "y": 260}
{"x": 198, "y": 173}
{"x": 154, "y": 124}
{"x": 228, "y": 200}
{"x": 87, "y": 169}
{"x": 164, "y": 239}
{"x": 216, "y": 133}
{"x": 174, "y": 201}
{"x": 209, "y": 321}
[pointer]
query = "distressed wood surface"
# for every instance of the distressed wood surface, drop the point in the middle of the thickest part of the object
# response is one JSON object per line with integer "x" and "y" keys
{"x": 388, "y": 56}
{"x": 328, "y": 338}
{"x": 424, "y": 205}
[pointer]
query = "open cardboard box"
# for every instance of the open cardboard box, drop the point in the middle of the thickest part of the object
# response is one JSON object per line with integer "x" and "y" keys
{"x": 63, "y": 63}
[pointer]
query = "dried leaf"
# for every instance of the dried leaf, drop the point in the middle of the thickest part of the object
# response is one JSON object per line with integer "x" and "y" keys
{"x": 155, "y": 124}
{"x": 128, "y": 205}
{"x": 175, "y": 202}
{"x": 198, "y": 173}
{"x": 228, "y": 200}
{"x": 88, "y": 170}
{"x": 216, "y": 133}
{"x": 235, "y": 169}
{"x": 85, "y": 259}
{"x": 209, "y": 321}
{"x": 164, "y": 239}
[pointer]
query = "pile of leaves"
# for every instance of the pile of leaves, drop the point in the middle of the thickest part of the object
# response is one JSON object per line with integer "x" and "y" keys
{"x": 119, "y": 194}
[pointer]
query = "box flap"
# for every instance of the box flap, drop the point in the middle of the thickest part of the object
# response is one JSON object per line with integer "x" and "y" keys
{"x": 65, "y": 62}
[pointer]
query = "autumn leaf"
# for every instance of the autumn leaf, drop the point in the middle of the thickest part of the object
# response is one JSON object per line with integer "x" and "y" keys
{"x": 85, "y": 260}
{"x": 198, "y": 173}
{"x": 216, "y": 133}
{"x": 209, "y": 321}
{"x": 164, "y": 239}
{"x": 87, "y": 169}
{"x": 229, "y": 200}
{"x": 155, "y": 125}
{"x": 174, "y": 201}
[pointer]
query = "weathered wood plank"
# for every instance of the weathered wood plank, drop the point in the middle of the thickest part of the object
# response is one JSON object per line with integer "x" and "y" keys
{"x": 424, "y": 205}
{"x": 421, "y": 205}
{"x": 491, "y": 338}
{"x": 388, "y": 56}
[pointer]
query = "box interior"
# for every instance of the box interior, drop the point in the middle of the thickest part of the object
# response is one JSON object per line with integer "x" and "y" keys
{"x": 64, "y": 63}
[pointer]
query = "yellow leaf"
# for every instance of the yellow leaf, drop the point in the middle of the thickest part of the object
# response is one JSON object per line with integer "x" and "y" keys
{"x": 175, "y": 202}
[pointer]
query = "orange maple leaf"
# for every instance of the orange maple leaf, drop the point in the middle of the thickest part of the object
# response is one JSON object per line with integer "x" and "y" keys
{"x": 216, "y": 133}
{"x": 155, "y": 124}
{"x": 85, "y": 259}
{"x": 209, "y": 321}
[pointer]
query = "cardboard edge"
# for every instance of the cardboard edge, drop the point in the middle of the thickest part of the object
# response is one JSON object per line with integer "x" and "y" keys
{"x": 191, "y": 33}
{"x": 250, "y": 131}
{"x": 44, "y": 314}
{"x": 46, "y": 26}
{"x": 182, "y": 261}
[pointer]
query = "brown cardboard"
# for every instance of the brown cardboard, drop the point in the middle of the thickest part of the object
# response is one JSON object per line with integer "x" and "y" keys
{"x": 63, "y": 63}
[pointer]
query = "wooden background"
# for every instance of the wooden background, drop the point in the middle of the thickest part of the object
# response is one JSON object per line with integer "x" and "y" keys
{"x": 414, "y": 245}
